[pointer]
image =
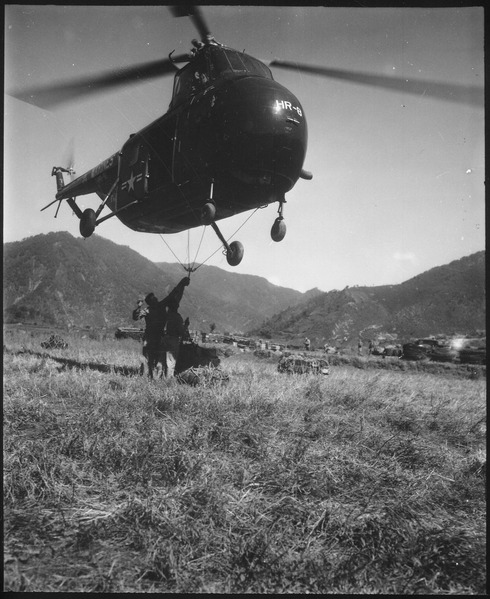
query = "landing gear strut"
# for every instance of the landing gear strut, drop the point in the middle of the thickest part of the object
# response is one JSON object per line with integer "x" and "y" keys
{"x": 234, "y": 250}
{"x": 89, "y": 218}
{"x": 208, "y": 212}
{"x": 278, "y": 230}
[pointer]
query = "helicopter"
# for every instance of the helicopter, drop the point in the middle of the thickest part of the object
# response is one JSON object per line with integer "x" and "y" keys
{"x": 232, "y": 140}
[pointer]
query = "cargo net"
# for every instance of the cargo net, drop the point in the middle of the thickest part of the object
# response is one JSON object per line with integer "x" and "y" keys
{"x": 203, "y": 375}
{"x": 297, "y": 364}
{"x": 198, "y": 365}
{"x": 54, "y": 342}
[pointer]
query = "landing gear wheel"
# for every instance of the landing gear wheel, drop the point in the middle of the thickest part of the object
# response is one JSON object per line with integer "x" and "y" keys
{"x": 234, "y": 253}
{"x": 87, "y": 222}
{"x": 278, "y": 230}
{"x": 208, "y": 213}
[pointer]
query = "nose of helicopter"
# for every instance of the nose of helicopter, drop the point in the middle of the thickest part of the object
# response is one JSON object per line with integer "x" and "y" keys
{"x": 264, "y": 134}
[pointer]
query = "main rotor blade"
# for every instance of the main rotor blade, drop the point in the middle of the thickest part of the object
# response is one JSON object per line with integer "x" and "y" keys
{"x": 188, "y": 10}
{"x": 451, "y": 92}
{"x": 53, "y": 95}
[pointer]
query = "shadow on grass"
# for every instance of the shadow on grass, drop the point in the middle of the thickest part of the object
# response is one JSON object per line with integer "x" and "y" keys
{"x": 70, "y": 363}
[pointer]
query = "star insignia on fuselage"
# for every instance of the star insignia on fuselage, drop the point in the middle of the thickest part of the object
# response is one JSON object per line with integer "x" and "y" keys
{"x": 131, "y": 181}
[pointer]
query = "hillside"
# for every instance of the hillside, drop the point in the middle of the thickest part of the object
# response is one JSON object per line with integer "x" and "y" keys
{"x": 235, "y": 299}
{"x": 57, "y": 279}
{"x": 444, "y": 299}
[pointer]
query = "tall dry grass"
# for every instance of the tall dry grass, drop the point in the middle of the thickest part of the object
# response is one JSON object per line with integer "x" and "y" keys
{"x": 365, "y": 481}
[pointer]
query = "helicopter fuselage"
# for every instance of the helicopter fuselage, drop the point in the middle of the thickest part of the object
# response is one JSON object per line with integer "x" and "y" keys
{"x": 232, "y": 135}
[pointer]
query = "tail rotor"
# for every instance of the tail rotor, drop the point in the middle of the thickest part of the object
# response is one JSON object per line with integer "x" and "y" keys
{"x": 69, "y": 160}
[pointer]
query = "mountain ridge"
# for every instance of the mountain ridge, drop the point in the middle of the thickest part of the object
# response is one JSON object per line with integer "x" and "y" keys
{"x": 57, "y": 279}
{"x": 441, "y": 300}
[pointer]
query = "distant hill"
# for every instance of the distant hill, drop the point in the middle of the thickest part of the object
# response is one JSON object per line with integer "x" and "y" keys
{"x": 57, "y": 279}
{"x": 443, "y": 300}
{"x": 238, "y": 300}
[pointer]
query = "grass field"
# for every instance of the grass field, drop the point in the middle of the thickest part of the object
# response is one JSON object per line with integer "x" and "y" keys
{"x": 363, "y": 481}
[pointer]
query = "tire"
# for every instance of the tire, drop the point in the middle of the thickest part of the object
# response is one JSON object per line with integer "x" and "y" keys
{"x": 278, "y": 230}
{"x": 234, "y": 254}
{"x": 208, "y": 213}
{"x": 87, "y": 223}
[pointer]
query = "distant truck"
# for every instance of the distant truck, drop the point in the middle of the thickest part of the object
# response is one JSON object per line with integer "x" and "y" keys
{"x": 429, "y": 343}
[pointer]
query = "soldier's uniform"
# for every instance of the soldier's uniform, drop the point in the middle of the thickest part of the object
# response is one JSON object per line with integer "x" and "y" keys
{"x": 155, "y": 316}
{"x": 174, "y": 330}
{"x": 138, "y": 314}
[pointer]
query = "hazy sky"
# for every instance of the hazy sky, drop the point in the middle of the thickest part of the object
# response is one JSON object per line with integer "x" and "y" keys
{"x": 398, "y": 180}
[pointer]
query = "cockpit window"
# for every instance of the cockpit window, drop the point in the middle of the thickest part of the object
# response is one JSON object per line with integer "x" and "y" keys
{"x": 226, "y": 61}
{"x": 216, "y": 62}
{"x": 255, "y": 67}
{"x": 190, "y": 80}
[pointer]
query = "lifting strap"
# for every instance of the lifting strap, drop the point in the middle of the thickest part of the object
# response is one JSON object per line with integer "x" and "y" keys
{"x": 189, "y": 269}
